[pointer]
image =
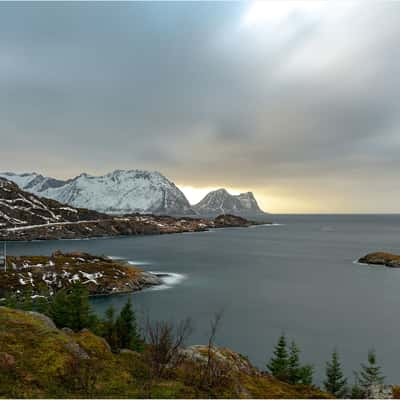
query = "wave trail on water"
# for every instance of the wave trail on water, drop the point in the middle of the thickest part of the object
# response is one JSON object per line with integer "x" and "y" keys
{"x": 138, "y": 262}
{"x": 169, "y": 279}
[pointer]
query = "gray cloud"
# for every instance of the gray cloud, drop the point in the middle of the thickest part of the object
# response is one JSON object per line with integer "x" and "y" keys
{"x": 307, "y": 108}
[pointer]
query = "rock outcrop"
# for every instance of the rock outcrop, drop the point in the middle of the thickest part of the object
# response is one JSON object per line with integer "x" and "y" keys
{"x": 231, "y": 221}
{"x": 381, "y": 258}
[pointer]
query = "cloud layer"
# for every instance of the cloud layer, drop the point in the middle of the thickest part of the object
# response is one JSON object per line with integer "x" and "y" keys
{"x": 298, "y": 103}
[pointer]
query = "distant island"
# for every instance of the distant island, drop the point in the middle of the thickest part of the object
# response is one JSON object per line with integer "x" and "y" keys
{"x": 381, "y": 258}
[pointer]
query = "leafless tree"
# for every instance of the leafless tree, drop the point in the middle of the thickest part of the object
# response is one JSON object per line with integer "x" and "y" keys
{"x": 215, "y": 371}
{"x": 165, "y": 340}
{"x": 211, "y": 339}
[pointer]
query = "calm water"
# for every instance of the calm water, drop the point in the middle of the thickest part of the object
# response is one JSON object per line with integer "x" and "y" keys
{"x": 298, "y": 277}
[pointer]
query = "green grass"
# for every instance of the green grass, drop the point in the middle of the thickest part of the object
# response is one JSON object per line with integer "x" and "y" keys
{"x": 39, "y": 361}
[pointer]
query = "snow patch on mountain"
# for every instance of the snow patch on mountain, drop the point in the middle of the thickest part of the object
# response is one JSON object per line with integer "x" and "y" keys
{"x": 118, "y": 192}
{"x": 21, "y": 210}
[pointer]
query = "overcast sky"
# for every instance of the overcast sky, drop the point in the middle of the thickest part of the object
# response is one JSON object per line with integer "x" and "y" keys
{"x": 296, "y": 101}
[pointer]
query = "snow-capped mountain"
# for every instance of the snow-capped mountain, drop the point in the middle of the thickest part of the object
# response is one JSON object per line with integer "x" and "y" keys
{"x": 221, "y": 202}
{"x": 21, "y": 209}
{"x": 119, "y": 192}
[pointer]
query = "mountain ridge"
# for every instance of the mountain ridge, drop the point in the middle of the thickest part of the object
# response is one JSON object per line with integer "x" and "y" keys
{"x": 220, "y": 201}
{"x": 117, "y": 192}
{"x": 134, "y": 191}
{"x": 25, "y": 216}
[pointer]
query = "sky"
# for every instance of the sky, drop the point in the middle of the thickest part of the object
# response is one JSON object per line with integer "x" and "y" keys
{"x": 297, "y": 101}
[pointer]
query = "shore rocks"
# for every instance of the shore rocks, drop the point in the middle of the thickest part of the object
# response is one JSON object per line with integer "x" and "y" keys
{"x": 381, "y": 258}
{"x": 100, "y": 275}
{"x": 231, "y": 221}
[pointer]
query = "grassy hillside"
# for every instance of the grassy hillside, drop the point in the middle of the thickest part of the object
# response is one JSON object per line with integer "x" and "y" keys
{"x": 39, "y": 360}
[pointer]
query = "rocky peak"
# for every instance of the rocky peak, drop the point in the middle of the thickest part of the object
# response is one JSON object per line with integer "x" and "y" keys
{"x": 222, "y": 202}
{"x": 118, "y": 192}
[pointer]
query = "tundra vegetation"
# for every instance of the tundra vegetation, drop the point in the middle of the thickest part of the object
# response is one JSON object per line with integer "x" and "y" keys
{"x": 55, "y": 346}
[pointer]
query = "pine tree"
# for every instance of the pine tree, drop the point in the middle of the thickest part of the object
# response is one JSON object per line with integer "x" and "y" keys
{"x": 71, "y": 308}
{"x": 356, "y": 391}
{"x": 335, "y": 383}
{"x": 59, "y": 309}
{"x": 306, "y": 374}
{"x": 81, "y": 315}
{"x": 297, "y": 373}
{"x": 294, "y": 369}
{"x": 370, "y": 377}
{"x": 279, "y": 363}
{"x": 110, "y": 332}
{"x": 126, "y": 329}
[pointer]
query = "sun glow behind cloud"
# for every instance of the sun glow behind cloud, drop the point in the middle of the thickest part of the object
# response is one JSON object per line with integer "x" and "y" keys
{"x": 276, "y": 12}
{"x": 270, "y": 200}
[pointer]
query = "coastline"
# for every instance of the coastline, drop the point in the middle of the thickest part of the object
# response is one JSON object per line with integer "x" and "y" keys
{"x": 45, "y": 275}
{"x": 123, "y": 226}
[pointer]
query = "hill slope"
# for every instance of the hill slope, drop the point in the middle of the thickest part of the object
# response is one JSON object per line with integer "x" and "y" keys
{"x": 20, "y": 209}
{"x": 119, "y": 192}
{"x": 39, "y": 360}
{"x": 221, "y": 202}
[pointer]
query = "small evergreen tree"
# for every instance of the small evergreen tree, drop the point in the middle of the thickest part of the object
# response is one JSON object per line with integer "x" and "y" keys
{"x": 110, "y": 331}
{"x": 297, "y": 373}
{"x": 306, "y": 375}
{"x": 29, "y": 300}
{"x": 370, "y": 377}
{"x": 279, "y": 362}
{"x": 59, "y": 309}
{"x": 126, "y": 329}
{"x": 81, "y": 314}
{"x": 71, "y": 308}
{"x": 356, "y": 391}
{"x": 335, "y": 383}
{"x": 294, "y": 370}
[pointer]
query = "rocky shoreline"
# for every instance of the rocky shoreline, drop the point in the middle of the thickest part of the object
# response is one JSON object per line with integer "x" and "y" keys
{"x": 44, "y": 275}
{"x": 136, "y": 224}
{"x": 382, "y": 259}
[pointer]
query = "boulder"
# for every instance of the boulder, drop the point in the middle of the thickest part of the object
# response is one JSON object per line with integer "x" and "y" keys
{"x": 7, "y": 361}
{"x": 44, "y": 318}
